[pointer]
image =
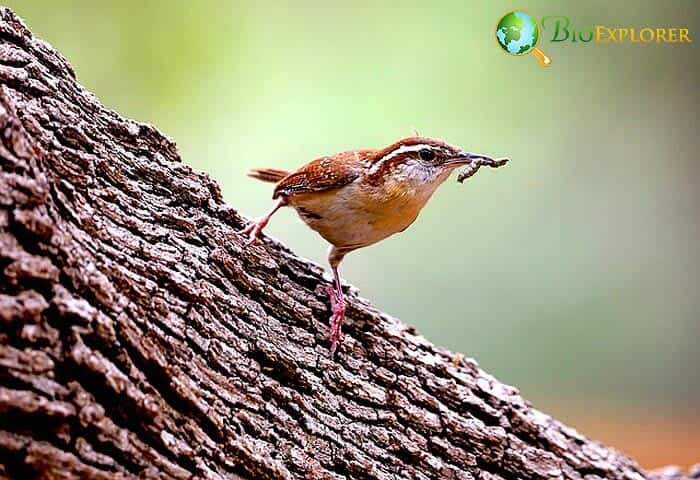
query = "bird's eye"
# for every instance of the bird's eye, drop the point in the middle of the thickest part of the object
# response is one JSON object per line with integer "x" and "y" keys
{"x": 426, "y": 154}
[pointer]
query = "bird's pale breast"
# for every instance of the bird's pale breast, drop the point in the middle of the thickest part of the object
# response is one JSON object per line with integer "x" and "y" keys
{"x": 359, "y": 214}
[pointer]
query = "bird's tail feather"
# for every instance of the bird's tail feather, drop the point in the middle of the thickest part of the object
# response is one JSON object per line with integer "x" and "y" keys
{"x": 272, "y": 175}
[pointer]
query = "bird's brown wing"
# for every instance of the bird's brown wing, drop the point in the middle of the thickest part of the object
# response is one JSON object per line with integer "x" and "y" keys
{"x": 325, "y": 173}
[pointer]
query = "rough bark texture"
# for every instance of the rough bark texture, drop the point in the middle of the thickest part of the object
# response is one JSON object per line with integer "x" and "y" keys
{"x": 139, "y": 338}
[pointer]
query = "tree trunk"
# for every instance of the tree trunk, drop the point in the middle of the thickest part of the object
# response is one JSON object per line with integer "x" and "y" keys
{"x": 139, "y": 338}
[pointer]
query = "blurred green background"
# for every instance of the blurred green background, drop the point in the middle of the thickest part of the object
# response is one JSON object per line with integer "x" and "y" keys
{"x": 573, "y": 273}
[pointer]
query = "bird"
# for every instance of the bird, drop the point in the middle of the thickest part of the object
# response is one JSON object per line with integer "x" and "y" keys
{"x": 357, "y": 198}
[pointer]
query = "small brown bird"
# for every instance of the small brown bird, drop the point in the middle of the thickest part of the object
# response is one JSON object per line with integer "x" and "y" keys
{"x": 357, "y": 198}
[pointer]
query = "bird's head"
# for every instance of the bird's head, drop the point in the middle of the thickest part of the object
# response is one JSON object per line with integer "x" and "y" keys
{"x": 423, "y": 159}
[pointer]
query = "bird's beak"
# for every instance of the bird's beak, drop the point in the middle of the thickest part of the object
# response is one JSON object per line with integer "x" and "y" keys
{"x": 463, "y": 158}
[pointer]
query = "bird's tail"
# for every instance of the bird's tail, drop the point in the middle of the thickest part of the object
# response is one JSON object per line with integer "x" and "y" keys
{"x": 272, "y": 175}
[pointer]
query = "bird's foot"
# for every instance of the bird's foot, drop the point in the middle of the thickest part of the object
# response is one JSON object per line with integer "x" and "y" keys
{"x": 254, "y": 230}
{"x": 335, "y": 331}
{"x": 332, "y": 294}
{"x": 336, "y": 321}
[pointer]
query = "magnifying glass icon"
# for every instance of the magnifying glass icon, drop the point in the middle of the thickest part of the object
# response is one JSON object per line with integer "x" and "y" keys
{"x": 517, "y": 33}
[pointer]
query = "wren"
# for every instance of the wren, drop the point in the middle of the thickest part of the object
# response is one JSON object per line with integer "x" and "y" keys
{"x": 357, "y": 198}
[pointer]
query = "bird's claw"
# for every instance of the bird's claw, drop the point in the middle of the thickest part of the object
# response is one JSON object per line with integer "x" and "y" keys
{"x": 336, "y": 320}
{"x": 333, "y": 295}
{"x": 336, "y": 333}
{"x": 254, "y": 231}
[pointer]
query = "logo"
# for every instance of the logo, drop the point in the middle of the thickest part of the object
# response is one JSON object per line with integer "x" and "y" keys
{"x": 517, "y": 33}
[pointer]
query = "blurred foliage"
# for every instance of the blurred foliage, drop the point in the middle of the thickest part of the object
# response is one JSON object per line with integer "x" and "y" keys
{"x": 572, "y": 273}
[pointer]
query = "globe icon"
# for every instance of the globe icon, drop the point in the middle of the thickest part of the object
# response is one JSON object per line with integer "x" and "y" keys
{"x": 517, "y": 33}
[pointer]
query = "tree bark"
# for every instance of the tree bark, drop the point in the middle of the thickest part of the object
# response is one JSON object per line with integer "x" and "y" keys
{"x": 139, "y": 338}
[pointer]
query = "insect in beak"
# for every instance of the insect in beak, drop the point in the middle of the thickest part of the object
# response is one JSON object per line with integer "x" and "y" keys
{"x": 474, "y": 161}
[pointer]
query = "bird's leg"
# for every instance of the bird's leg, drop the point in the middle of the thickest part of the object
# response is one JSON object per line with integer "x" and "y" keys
{"x": 338, "y": 308}
{"x": 335, "y": 292}
{"x": 256, "y": 228}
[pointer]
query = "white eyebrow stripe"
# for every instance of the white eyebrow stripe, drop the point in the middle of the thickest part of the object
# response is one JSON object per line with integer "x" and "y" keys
{"x": 402, "y": 149}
